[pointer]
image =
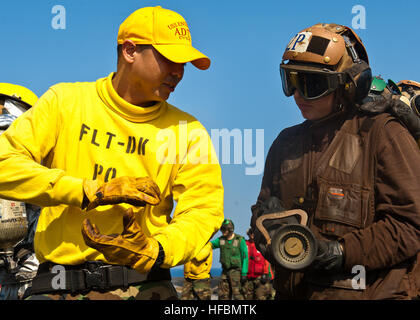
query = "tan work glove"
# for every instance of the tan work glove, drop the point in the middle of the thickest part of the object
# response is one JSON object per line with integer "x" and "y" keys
{"x": 130, "y": 248}
{"x": 135, "y": 191}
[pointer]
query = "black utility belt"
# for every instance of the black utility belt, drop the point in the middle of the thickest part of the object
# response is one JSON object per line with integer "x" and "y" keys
{"x": 91, "y": 275}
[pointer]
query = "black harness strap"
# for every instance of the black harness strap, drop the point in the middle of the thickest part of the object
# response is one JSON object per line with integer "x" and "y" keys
{"x": 89, "y": 276}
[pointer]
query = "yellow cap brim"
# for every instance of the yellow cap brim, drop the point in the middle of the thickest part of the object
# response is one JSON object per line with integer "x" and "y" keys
{"x": 179, "y": 53}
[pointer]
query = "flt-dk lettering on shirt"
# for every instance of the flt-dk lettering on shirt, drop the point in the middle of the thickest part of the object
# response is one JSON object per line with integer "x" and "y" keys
{"x": 130, "y": 144}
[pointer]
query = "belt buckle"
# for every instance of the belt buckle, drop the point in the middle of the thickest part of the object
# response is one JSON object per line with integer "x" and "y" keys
{"x": 95, "y": 276}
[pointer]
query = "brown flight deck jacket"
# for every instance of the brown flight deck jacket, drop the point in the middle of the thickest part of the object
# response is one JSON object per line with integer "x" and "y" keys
{"x": 359, "y": 176}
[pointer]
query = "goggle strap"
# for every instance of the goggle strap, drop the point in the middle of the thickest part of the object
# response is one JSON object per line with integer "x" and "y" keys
{"x": 341, "y": 78}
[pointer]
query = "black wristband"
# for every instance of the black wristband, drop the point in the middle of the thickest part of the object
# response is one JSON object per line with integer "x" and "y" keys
{"x": 160, "y": 258}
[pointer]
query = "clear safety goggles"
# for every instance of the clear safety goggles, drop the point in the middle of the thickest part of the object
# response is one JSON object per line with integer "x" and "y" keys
{"x": 226, "y": 228}
{"x": 310, "y": 83}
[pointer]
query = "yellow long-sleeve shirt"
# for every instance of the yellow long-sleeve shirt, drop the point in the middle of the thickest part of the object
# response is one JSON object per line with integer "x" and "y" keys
{"x": 86, "y": 130}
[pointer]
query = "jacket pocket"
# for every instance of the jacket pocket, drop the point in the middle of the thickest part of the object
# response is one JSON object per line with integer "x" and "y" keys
{"x": 341, "y": 207}
{"x": 258, "y": 266}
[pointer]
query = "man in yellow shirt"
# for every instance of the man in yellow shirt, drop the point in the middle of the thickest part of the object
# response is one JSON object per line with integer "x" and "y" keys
{"x": 106, "y": 160}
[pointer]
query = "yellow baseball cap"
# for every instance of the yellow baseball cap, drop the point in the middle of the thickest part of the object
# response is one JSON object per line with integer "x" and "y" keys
{"x": 167, "y": 31}
{"x": 18, "y": 93}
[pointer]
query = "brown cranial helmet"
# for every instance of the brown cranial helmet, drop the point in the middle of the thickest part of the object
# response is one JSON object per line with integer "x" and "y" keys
{"x": 411, "y": 90}
{"x": 323, "y": 58}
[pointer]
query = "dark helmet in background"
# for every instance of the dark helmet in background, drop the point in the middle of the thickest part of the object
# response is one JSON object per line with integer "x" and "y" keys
{"x": 227, "y": 225}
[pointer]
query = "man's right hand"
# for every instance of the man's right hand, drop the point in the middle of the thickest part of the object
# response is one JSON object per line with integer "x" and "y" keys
{"x": 135, "y": 191}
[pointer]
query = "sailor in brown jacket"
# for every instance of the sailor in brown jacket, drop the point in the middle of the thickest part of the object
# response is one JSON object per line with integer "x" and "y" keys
{"x": 355, "y": 174}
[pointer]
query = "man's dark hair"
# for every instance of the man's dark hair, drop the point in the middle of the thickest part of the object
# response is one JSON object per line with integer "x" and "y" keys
{"x": 119, "y": 52}
{"x": 139, "y": 47}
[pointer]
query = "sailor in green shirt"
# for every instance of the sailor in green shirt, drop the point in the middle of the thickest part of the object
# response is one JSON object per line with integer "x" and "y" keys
{"x": 234, "y": 260}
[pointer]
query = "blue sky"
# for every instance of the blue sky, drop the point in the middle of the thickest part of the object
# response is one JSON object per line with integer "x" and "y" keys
{"x": 245, "y": 41}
